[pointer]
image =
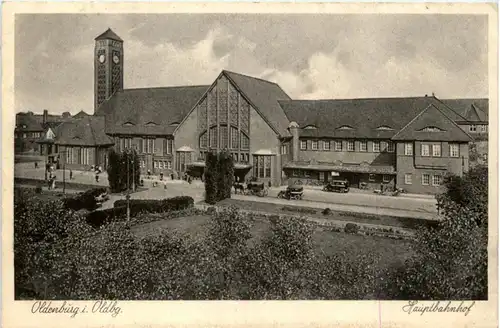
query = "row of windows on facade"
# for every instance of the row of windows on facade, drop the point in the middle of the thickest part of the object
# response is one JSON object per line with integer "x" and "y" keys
{"x": 241, "y": 158}
{"x": 321, "y": 175}
{"x": 426, "y": 180}
{"x": 238, "y": 139}
{"x": 425, "y": 150}
{"x": 157, "y": 164}
{"x": 146, "y": 146}
{"x": 478, "y": 128}
{"x": 378, "y": 146}
{"x": 28, "y": 135}
{"x": 79, "y": 155}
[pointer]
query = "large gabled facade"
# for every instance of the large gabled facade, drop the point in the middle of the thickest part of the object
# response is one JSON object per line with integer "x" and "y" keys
{"x": 405, "y": 142}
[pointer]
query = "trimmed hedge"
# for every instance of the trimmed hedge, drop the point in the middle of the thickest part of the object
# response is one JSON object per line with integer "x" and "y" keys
{"x": 156, "y": 206}
{"x": 351, "y": 228}
{"x": 138, "y": 206}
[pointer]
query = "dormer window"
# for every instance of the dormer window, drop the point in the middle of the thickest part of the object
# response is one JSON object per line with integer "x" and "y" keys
{"x": 174, "y": 123}
{"x": 345, "y": 127}
{"x": 431, "y": 129}
{"x": 24, "y": 126}
{"x": 151, "y": 124}
{"x": 310, "y": 127}
{"x": 128, "y": 124}
{"x": 384, "y": 128}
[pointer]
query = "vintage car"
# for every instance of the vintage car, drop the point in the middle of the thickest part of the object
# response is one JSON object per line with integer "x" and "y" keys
{"x": 337, "y": 186}
{"x": 256, "y": 189}
{"x": 292, "y": 192}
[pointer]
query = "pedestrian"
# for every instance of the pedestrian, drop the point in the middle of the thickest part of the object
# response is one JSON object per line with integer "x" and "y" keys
{"x": 381, "y": 187}
{"x": 54, "y": 182}
{"x": 97, "y": 177}
{"x": 149, "y": 174}
{"x": 36, "y": 165}
{"x": 71, "y": 174}
{"x": 161, "y": 176}
{"x": 49, "y": 183}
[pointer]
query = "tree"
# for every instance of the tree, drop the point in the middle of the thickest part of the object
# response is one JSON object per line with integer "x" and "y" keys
{"x": 225, "y": 179}
{"x": 219, "y": 176}
{"x": 451, "y": 260}
{"x": 120, "y": 166}
{"x": 211, "y": 174}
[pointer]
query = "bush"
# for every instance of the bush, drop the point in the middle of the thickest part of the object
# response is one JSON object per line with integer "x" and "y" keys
{"x": 351, "y": 228}
{"x": 38, "y": 189}
{"x": 211, "y": 210}
{"x": 98, "y": 219}
{"x": 118, "y": 176}
{"x": 326, "y": 211}
{"x": 156, "y": 206}
{"x": 299, "y": 209}
{"x": 85, "y": 200}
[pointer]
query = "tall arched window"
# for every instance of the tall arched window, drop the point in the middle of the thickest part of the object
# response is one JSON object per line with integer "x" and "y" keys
{"x": 204, "y": 140}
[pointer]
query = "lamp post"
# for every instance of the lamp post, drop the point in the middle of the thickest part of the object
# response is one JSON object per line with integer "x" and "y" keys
{"x": 128, "y": 191}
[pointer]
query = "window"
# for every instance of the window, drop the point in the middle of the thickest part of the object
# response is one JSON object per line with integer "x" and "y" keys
{"x": 223, "y": 137}
{"x": 408, "y": 178}
{"x": 426, "y": 179}
{"x": 363, "y": 146}
{"x": 371, "y": 177}
{"x": 69, "y": 155}
{"x": 338, "y": 145}
{"x": 143, "y": 163}
{"x": 326, "y": 145}
{"x": 425, "y": 150}
{"x": 350, "y": 145}
{"x": 245, "y": 142}
{"x": 284, "y": 149}
{"x": 376, "y": 146}
{"x": 148, "y": 145}
{"x": 472, "y": 128}
{"x": 314, "y": 145}
{"x": 169, "y": 165}
{"x": 85, "y": 156}
{"x": 484, "y": 128}
{"x": 386, "y": 178}
{"x": 155, "y": 164}
{"x": 454, "y": 150}
{"x": 307, "y": 174}
{"x": 262, "y": 166}
{"x": 303, "y": 145}
{"x": 436, "y": 150}
{"x": 160, "y": 164}
{"x": 437, "y": 180}
{"x": 25, "y": 135}
{"x": 390, "y": 146}
{"x": 408, "y": 149}
{"x": 213, "y": 137}
{"x": 234, "y": 137}
{"x": 168, "y": 144}
{"x": 295, "y": 173}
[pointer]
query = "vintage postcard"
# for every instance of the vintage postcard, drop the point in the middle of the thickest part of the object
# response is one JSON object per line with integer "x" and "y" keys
{"x": 249, "y": 165}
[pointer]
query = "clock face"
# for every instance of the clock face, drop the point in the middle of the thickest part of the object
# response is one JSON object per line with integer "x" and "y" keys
{"x": 102, "y": 58}
{"x": 116, "y": 59}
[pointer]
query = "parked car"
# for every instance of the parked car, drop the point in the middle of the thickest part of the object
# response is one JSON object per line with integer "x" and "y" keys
{"x": 292, "y": 192}
{"x": 337, "y": 186}
{"x": 256, "y": 189}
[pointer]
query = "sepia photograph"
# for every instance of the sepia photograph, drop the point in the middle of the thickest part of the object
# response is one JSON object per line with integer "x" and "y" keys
{"x": 237, "y": 156}
{"x": 212, "y": 157}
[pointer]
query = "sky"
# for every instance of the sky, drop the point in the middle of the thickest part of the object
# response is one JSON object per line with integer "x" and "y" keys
{"x": 310, "y": 56}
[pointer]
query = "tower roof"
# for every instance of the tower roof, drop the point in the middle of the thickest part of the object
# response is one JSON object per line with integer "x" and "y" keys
{"x": 109, "y": 35}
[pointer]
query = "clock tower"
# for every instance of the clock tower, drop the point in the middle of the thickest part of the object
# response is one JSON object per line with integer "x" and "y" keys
{"x": 108, "y": 66}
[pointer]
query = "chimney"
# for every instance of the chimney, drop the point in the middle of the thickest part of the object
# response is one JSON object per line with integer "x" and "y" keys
{"x": 433, "y": 94}
{"x": 294, "y": 130}
{"x": 426, "y": 95}
{"x": 45, "y": 116}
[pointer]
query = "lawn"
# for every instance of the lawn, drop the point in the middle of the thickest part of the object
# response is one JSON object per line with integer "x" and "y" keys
{"x": 326, "y": 242}
{"x": 399, "y": 222}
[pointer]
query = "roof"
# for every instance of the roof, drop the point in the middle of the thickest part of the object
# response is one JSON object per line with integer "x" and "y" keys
{"x": 264, "y": 96}
{"x": 87, "y": 131}
{"x": 472, "y": 109}
{"x": 358, "y": 118}
{"x": 34, "y": 122}
{"x": 80, "y": 114}
{"x": 149, "y": 111}
{"x": 432, "y": 124}
{"x": 109, "y": 35}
